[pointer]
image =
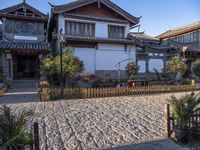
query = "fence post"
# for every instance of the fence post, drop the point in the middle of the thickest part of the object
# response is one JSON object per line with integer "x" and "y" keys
{"x": 167, "y": 120}
{"x": 36, "y": 136}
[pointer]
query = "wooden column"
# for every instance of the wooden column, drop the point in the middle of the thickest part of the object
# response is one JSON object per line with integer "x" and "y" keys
{"x": 167, "y": 131}
{"x": 36, "y": 136}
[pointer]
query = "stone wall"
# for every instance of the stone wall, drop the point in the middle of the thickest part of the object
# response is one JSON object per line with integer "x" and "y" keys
{"x": 111, "y": 74}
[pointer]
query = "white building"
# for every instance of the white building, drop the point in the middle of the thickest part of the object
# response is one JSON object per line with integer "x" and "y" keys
{"x": 98, "y": 31}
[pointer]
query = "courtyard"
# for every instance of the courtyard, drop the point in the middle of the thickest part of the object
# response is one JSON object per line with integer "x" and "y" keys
{"x": 102, "y": 123}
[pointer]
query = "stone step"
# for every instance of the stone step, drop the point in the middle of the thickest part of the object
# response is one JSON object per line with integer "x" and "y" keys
{"x": 24, "y": 84}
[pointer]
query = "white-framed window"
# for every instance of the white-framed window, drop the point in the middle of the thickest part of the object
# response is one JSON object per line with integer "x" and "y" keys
{"x": 155, "y": 54}
{"x": 161, "y": 54}
{"x": 157, "y": 64}
{"x": 150, "y": 54}
{"x": 141, "y": 66}
{"x": 195, "y": 37}
{"x": 180, "y": 39}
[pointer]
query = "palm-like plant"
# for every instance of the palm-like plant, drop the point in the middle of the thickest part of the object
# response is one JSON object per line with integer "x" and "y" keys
{"x": 183, "y": 108}
{"x": 13, "y": 133}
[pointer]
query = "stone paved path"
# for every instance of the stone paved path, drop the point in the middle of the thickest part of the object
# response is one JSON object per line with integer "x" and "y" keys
{"x": 20, "y": 95}
{"x": 99, "y": 123}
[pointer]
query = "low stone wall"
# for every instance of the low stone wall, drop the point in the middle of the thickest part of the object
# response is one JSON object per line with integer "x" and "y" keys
{"x": 110, "y": 74}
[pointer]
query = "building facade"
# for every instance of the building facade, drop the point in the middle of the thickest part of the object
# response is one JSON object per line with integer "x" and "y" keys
{"x": 186, "y": 41}
{"x": 23, "y": 41}
{"x": 151, "y": 54}
{"x": 98, "y": 31}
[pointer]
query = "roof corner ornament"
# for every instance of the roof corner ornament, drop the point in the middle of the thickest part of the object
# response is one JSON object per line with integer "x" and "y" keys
{"x": 51, "y": 4}
{"x": 139, "y": 17}
{"x": 24, "y": 1}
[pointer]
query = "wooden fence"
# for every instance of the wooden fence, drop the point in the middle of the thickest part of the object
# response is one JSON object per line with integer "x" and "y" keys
{"x": 82, "y": 93}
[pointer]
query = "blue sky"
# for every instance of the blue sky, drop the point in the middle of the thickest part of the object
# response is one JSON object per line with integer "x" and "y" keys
{"x": 157, "y": 15}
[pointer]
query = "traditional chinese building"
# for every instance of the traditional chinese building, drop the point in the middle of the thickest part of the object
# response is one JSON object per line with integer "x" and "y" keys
{"x": 151, "y": 54}
{"x": 98, "y": 31}
{"x": 186, "y": 40}
{"x": 23, "y": 41}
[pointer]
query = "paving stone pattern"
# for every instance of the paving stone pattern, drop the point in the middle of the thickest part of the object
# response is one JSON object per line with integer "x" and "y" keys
{"x": 99, "y": 123}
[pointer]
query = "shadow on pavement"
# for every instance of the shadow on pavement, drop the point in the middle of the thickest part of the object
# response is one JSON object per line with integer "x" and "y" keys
{"x": 163, "y": 144}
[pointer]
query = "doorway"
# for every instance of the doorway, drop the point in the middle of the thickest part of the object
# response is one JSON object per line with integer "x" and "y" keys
{"x": 25, "y": 67}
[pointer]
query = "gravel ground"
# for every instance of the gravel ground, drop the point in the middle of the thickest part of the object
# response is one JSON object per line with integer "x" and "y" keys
{"x": 101, "y": 123}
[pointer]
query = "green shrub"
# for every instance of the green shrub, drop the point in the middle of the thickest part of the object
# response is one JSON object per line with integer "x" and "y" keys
{"x": 71, "y": 67}
{"x": 13, "y": 132}
{"x": 183, "y": 108}
{"x": 131, "y": 70}
{"x": 176, "y": 66}
{"x": 196, "y": 68}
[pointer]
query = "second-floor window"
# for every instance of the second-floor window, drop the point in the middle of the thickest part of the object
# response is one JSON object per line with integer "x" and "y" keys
{"x": 116, "y": 31}
{"x": 80, "y": 29}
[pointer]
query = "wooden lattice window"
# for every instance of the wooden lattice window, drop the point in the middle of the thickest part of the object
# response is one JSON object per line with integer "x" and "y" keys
{"x": 116, "y": 31}
{"x": 80, "y": 29}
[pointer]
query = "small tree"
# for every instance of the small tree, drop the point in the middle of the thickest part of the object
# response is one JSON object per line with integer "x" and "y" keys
{"x": 49, "y": 69}
{"x": 71, "y": 66}
{"x": 176, "y": 66}
{"x": 196, "y": 68}
{"x": 131, "y": 70}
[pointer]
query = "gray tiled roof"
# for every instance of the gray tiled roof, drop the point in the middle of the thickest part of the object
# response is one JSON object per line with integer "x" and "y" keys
{"x": 142, "y": 36}
{"x": 180, "y": 30}
{"x": 22, "y": 5}
{"x": 79, "y": 3}
{"x": 158, "y": 46}
{"x": 100, "y": 40}
{"x": 4, "y": 45}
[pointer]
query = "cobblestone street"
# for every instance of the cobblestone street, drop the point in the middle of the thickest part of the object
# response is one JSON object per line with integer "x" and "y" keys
{"x": 100, "y": 123}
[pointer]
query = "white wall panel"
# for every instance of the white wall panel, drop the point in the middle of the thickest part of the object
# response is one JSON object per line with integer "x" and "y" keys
{"x": 87, "y": 55}
{"x": 157, "y": 64}
{"x": 108, "y": 55}
{"x": 101, "y": 29}
{"x": 112, "y": 47}
{"x": 61, "y": 23}
{"x": 141, "y": 66}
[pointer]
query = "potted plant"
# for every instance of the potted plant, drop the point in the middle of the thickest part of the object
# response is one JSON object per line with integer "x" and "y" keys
{"x": 183, "y": 109}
